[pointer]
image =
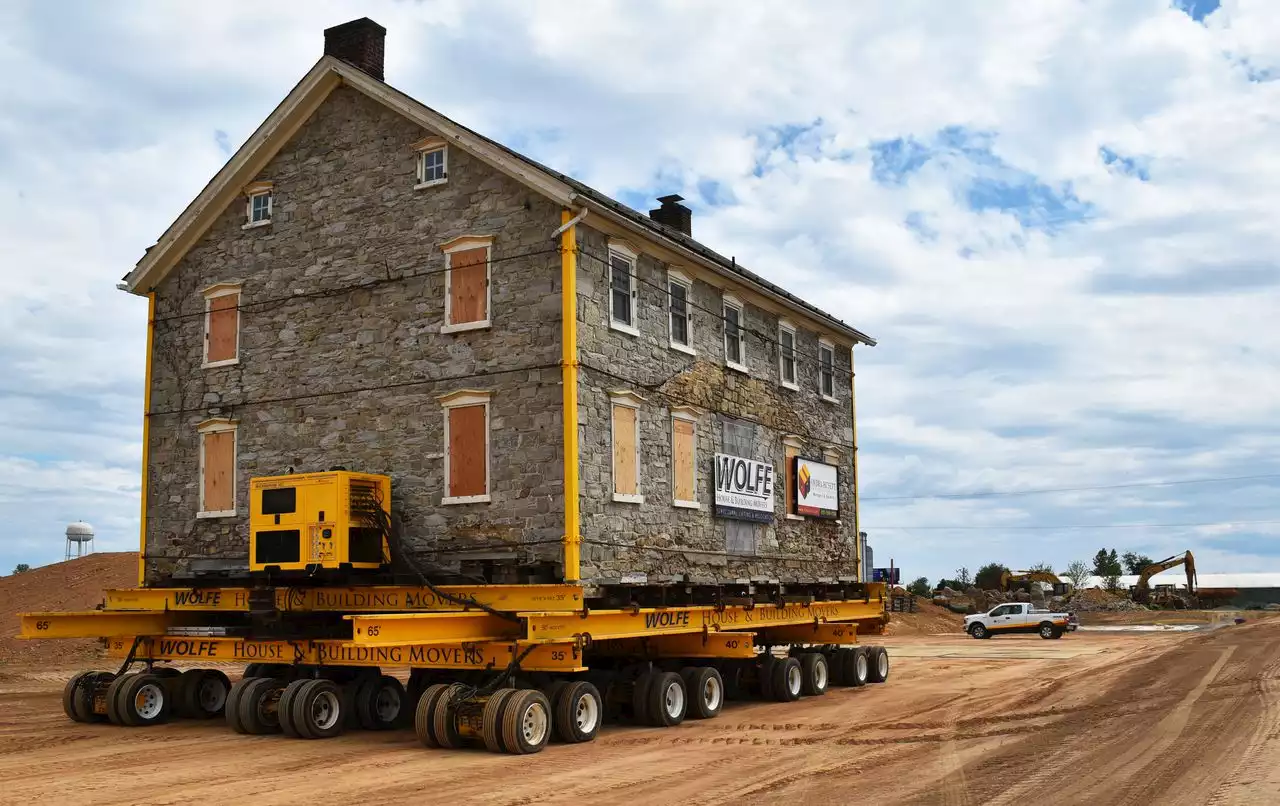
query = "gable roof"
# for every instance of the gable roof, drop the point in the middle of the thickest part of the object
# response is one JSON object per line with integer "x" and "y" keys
{"x": 330, "y": 73}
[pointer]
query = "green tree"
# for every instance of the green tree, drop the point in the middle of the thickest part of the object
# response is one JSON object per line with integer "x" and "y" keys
{"x": 21, "y": 568}
{"x": 1079, "y": 572}
{"x": 962, "y": 577}
{"x": 1134, "y": 563}
{"x": 920, "y": 587}
{"x": 988, "y": 576}
{"x": 1107, "y": 564}
{"x": 1044, "y": 568}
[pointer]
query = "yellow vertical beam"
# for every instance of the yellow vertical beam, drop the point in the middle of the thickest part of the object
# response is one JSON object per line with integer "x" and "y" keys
{"x": 857, "y": 480}
{"x": 569, "y": 373}
{"x": 146, "y": 440}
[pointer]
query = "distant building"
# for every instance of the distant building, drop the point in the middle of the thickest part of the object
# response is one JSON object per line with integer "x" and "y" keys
{"x": 1236, "y": 590}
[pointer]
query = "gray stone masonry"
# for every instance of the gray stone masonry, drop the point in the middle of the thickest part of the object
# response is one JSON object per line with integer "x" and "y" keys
{"x": 346, "y": 212}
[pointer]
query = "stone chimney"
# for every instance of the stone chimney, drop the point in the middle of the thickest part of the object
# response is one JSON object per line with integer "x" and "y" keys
{"x": 673, "y": 214}
{"x": 358, "y": 43}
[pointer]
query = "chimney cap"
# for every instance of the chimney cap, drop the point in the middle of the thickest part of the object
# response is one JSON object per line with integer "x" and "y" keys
{"x": 363, "y": 22}
{"x": 671, "y": 199}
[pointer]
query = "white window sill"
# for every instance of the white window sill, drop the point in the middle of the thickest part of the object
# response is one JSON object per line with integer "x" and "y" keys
{"x": 793, "y": 517}
{"x": 795, "y": 387}
{"x": 226, "y": 362}
{"x": 465, "y": 499}
{"x": 431, "y": 184}
{"x": 623, "y": 327}
{"x": 253, "y": 224}
{"x": 462, "y": 327}
{"x": 686, "y": 504}
{"x": 736, "y": 367}
{"x": 623, "y": 498}
{"x": 829, "y": 399}
{"x": 226, "y": 513}
{"x": 684, "y": 348}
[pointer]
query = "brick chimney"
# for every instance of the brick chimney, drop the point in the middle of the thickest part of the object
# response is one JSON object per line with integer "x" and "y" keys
{"x": 673, "y": 214}
{"x": 358, "y": 43}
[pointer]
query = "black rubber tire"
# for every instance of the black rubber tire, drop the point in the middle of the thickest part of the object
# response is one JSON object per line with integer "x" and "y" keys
{"x": 732, "y": 673}
{"x": 113, "y": 693}
{"x": 816, "y": 674}
{"x": 788, "y": 679}
{"x": 764, "y": 676}
{"x": 423, "y": 712}
{"x": 71, "y": 696}
{"x": 662, "y": 713}
{"x": 254, "y": 718}
{"x": 979, "y": 631}
{"x": 253, "y": 670}
{"x": 88, "y": 691}
{"x": 1046, "y": 631}
{"x": 443, "y": 726}
{"x": 366, "y": 703}
{"x": 571, "y": 700}
{"x": 165, "y": 672}
{"x": 705, "y": 691}
{"x": 285, "y": 708}
{"x": 518, "y": 711}
{"x": 1058, "y": 633}
{"x": 127, "y": 702}
{"x": 195, "y": 697}
{"x": 835, "y": 666}
{"x": 877, "y": 664}
{"x": 640, "y": 698}
{"x": 491, "y": 719}
{"x": 553, "y": 690}
{"x": 232, "y": 711}
{"x": 313, "y": 695}
{"x": 857, "y": 667}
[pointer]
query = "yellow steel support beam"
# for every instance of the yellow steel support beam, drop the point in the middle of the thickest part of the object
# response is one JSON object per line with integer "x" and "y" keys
{"x": 432, "y": 628}
{"x": 688, "y": 645}
{"x": 563, "y": 657}
{"x": 362, "y": 599}
{"x": 569, "y": 378}
{"x": 146, "y": 440}
{"x": 92, "y": 624}
{"x": 811, "y": 634}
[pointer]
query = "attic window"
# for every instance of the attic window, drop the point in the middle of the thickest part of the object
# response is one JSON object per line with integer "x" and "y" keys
{"x": 258, "y": 206}
{"x": 433, "y": 162}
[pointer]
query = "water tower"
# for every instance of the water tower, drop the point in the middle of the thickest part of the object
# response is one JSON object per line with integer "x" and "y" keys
{"x": 79, "y": 539}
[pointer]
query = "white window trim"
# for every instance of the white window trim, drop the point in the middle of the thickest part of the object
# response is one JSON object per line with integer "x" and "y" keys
{"x": 421, "y": 149}
{"x": 627, "y": 253}
{"x": 252, "y": 192}
{"x": 824, "y": 343}
{"x": 730, "y": 301}
{"x": 211, "y": 293}
{"x": 459, "y": 399}
{"x": 689, "y": 415}
{"x": 682, "y": 279}
{"x": 789, "y": 441}
{"x": 460, "y": 244}
{"x": 794, "y": 383}
{"x": 219, "y": 425}
{"x": 629, "y": 399}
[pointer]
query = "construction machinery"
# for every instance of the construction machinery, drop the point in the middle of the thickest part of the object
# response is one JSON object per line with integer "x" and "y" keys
{"x": 506, "y": 667}
{"x": 1022, "y": 579}
{"x": 1142, "y": 590}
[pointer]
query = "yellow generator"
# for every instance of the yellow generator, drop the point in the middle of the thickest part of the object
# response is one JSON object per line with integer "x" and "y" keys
{"x": 312, "y": 521}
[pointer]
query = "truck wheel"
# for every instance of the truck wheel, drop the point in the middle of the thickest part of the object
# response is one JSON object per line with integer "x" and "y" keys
{"x": 788, "y": 680}
{"x": 578, "y": 711}
{"x": 731, "y": 673}
{"x": 764, "y": 674}
{"x": 640, "y": 698}
{"x": 379, "y": 703}
{"x": 979, "y": 631}
{"x": 114, "y": 716}
{"x": 668, "y": 700}
{"x": 816, "y": 674}
{"x": 143, "y": 700}
{"x": 317, "y": 709}
{"x": 878, "y": 668}
{"x": 491, "y": 719}
{"x": 836, "y": 667}
{"x": 526, "y": 722}
{"x": 422, "y": 719}
{"x": 72, "y": 697}
{"x": 1057, "y": 632}
{"x": 232, "y": 710}
{"x": 201, "y": 693}
{"x": 284, "y": 709}
{"x": 258, "y": 705}
{"x": 705, "y": 688}
{"x": 856, "y": 668}
{"x": 1046, "y": 631}
{"x": 443, "y": 726}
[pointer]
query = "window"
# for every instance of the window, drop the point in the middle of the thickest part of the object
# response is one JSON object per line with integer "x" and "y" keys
{"x": 790, "y": 450}
{"x": 433, "y": 162}
{"x": 217, "y": 468}
{"x": 622, "y": 293}
{"x": 684, "y": 457}
{"x": 466, "y": 283}
{"x": 626, "y": 440}
{"x": 678, "y": 291}
{"x": 734, "y": 352}
{"x": 221, "y": 325}
{"x": 826, "y": 370}
{"x": 466, "y": 447}
{"x": 787, "y": 354}
{"x": 258, "y": 205}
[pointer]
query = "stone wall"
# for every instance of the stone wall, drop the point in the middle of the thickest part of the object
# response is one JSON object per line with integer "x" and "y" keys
{"x": 689, "y": 542}
{"x": 346, "y": 212}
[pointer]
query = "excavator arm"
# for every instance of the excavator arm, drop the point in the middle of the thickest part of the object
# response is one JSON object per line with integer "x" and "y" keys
{"x": 1143, "y": 590}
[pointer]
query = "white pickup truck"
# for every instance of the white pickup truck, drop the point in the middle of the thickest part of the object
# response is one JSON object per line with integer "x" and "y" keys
{"x": 1019, "y": 617}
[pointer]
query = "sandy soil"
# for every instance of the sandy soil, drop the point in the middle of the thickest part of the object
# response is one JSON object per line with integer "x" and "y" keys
{"x": 1109, "y": 718}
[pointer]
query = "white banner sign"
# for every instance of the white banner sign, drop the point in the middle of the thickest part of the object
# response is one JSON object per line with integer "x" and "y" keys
{"x": 744, "y": 488}
{"x": 817, "y": 489}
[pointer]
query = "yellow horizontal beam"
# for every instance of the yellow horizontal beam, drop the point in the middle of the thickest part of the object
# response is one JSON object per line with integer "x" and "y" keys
{"x": 352, "y": 599}
{"x": 688, "y": 645}
{"x": 421, "y": 629}
{"x": 810, "y": 634}
{"x": 92, "y": 624}
{"x": 542, "y": 658}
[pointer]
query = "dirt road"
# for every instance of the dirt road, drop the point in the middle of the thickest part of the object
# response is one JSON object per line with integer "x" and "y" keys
{"x": 1189, "y": 718}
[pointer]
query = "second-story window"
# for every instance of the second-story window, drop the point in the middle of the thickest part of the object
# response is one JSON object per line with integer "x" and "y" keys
{"x": 678, "y": 291}
{"x": 734, "y": 345}
{"x": 258, "y": 204}
{"x": 433, "y": 162}
{"x": 826, "y": 369}
{"x": 221, "y": 325}
{"x": 787, "y": 355}
{"x": 622, "y": 309}
{"x": 466, "y": 283}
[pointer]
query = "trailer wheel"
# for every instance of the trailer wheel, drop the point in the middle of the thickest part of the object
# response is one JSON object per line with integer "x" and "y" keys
{"x": 232, "y": 710}
{"x": 578, "y": 712}
{"x": 732, "y": 673}
{"x": 114, "y": 715}
{"x": 443, "y": 727}
{"x": 316, "y": 709}
{"x": 380, "y": 703}
{"x": 491, "y": 719}
{"x": 201, "y": 693}
{"x": 423, "y": 713}
{"x": 856, "y": 668}
{"x": 788, "y": 680}
{"x": 553, "y": 690}
{"x": 143, "y": 700}
{"x": 165, "y": 672}
{"x": 71, "y": 697}
{"x": 640, "y": 698}
{"x": 764, "y": 675}
{"x": 706, "y": 691}
{"x": 258, "y": 706}
{"x": 284, "y": 708}
{"x": 526, "y": 722}
{"x": 815, "y": 676}
{"x": 668, "y": 700}
{"x": 835, "y": 667}
{"x": 252, "y": 670}
{"x": 877, "y": 664}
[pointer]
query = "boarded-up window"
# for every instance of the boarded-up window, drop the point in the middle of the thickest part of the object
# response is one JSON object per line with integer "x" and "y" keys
{"x": 469, "y": 286}
{"x": 683, "y": 460}
{"x": 468, "y": 451}
{"x": 217, "y": 468}
{"x": 222, "y": 326}
{"x": 738, "y": 438}
{"x": 789, "y": 453}
{"x": 626, "y": 471}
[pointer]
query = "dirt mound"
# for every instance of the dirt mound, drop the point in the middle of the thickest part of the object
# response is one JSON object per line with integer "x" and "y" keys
{"x": 72, "y": 585}
{"x": 1096, "y": 599}
{"x": 929, "y": 619}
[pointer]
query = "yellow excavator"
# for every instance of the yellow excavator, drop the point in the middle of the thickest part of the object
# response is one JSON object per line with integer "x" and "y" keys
{"x": 1142, "y": 591}
{"x": 1013, "y": 579}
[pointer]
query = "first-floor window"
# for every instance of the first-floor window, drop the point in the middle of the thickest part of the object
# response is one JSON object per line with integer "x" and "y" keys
{"x": 826, "y": 369}
{"x": 217, "y": 468}
{"x": 466, "y": 447}
{"x": 625, "y": 436}
{"x": 684, "y": 458}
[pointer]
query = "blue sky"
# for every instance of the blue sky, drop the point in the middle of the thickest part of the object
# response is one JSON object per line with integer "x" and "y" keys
{"x": 1057, "y": 217}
